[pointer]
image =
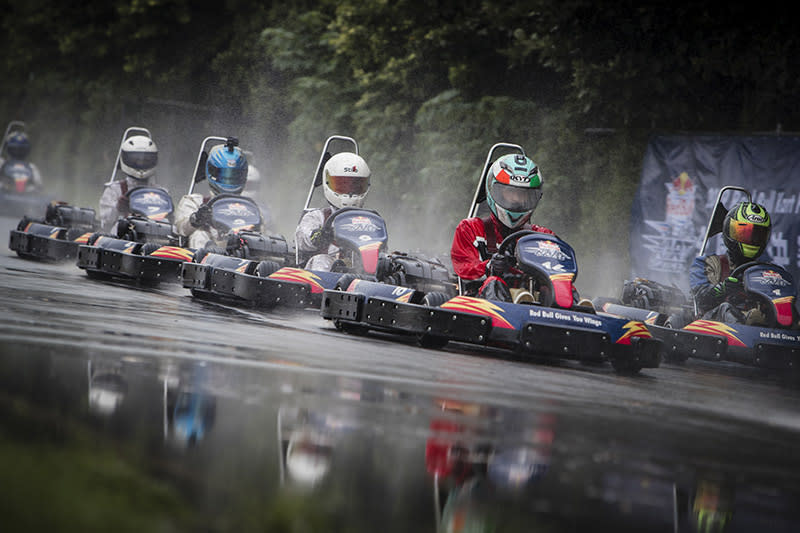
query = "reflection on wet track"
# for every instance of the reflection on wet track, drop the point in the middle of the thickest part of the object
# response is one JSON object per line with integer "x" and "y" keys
{"x": 126, "y": 408}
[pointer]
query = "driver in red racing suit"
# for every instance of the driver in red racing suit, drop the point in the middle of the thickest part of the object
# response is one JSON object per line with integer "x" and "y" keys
{"x": 513, "y": 189}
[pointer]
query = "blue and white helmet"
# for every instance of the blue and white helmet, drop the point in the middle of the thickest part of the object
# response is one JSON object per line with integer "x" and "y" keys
{"x": 226, "y": 169}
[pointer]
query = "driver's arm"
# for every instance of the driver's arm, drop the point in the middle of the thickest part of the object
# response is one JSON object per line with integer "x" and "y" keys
{"x": 465, "y": 256}
{"x": 187, "y": 205}
{"x": 108, "y": 205}
{"x": 311, "y": 221}
{"x": 704, "y": 274}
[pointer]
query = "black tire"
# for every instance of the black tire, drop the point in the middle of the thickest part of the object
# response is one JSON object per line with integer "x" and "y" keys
{"x": 74, "y": 233}
{"x": 625, "y": 367}
{"x": 352, "y": 329}
{"x": 148, "y": 248}
{"x": 265, "y": 268}
{"x": 345, "y": 282}
{"x": 434, "y": 299}
{"x": 97, "y": 275}
{"x": 94, "y": 236}
{"x": 205, "y": 250}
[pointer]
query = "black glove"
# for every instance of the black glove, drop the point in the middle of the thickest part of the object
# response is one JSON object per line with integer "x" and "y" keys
{"x": 123, "y": 204}
{"x": 320, "y": 239}
{"x": 202, "y": 217}
{"x": 499, "y": 265}
{"x": 726, "y": 286}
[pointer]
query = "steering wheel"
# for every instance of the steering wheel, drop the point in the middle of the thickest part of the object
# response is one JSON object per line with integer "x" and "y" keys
{"x": 509, "y": 244}
{"x": 738, "y": 271}
{"x": 326, "y": 227}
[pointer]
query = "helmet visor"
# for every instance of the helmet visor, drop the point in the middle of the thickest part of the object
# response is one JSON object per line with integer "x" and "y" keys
{"x": 140, "y": 160}
{"x": 228, "y": 175}
{"x": 517, "y": 199}
{"x": 348, "y": 184}
{"x": 748, "y": 233}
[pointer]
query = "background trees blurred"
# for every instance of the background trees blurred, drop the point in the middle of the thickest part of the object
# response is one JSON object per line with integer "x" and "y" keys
{"x": 425, "y": 89}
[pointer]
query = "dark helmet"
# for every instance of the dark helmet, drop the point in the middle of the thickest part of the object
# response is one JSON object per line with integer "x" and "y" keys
{"x": 745, "y": 231}
{"x": 226, "y": 169}
{"x": 17, "y": 145}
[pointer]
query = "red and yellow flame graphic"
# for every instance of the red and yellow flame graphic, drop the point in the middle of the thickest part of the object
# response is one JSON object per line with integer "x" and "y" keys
{"x": 634, "y": 328}
{"x": 27, "y": 227}
{"x": 298, "y": 275}
{"x": 83, "y": 239}
{"x": 242, "y": 266}
{"x": 54, "y": 233}
{"x": 715, "y": 328}
{"x": 783, "y": 309}
{"x": 479, "y": 306}
{"x": 129, "y": 248}
{"x": 173, "y": 252}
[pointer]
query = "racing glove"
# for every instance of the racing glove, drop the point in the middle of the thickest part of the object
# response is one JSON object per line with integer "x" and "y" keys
{"x": 202, "y": 217}
{"x": 320, "y": 239}
{"x": 499, "y": 265}
{"x": 123, "y": 204}
{"x": 726, "y": 286}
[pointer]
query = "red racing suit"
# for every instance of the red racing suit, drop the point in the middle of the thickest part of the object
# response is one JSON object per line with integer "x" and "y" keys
{"x": 474, "y": 242}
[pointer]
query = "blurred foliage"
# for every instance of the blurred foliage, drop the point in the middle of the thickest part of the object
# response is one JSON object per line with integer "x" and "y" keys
{"x": 426, "y": 89}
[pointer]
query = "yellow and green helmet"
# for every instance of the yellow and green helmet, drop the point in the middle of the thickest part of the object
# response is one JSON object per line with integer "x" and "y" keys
{"x": 745, "y": 231}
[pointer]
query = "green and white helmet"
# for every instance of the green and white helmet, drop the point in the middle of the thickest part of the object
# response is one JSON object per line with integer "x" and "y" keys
{"x": 513, "y": 189}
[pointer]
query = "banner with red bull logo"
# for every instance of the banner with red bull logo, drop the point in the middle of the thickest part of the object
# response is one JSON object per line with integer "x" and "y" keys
{"x": 681, "y": 176}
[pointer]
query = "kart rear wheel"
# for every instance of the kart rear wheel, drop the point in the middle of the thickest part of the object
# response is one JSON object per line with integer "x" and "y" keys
{"x": 265, "y": 268}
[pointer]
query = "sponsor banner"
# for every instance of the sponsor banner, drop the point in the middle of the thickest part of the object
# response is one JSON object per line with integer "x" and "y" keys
{"x": 681, "y": 176}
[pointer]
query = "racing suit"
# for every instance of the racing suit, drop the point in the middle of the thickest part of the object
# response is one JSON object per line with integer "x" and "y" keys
{"x": 198, "y": 237}
{"x": 36, "y": 178}
{"x": 711, "y": 288}
{"x": 322, "y": 253}
{"x": 110, "y": 204}
{"x": 475, "y": 241}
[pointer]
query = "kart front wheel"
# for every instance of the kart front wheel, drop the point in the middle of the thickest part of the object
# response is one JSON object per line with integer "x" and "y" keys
{"x": 266, "y": 268}
{"x": 625, "y": 367}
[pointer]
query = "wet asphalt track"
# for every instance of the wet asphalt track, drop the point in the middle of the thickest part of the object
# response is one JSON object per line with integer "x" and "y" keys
{"x": 671, "y": 425}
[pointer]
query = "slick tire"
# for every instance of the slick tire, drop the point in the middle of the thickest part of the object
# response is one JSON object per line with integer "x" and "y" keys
{"x": 625, "y": 367}
{"x": 148, "y": 248}
{"x": 266, "y": 268}
{"x": 425, "y": 340}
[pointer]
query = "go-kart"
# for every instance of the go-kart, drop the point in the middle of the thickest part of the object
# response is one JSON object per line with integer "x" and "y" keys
{"x": 671, "y": 317}
{"x": 550, "y": 323}
{"x": 146, "y": 249}
{"x": 18, "y": 194}
{"x": 361, "y": 236}
{"x": 144, "y": 246}
{"x": 57, "y": 236}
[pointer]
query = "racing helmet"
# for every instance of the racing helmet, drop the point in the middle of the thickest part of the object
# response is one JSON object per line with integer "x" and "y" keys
{"x": 346, "y": 180}
{"x": 139, "y": 157}
{"x": 513, "y": 189}
{"x": 745, "y": 231}
{"x": 226, "y": 169}
{"x": 309, "y": 456}
{"x": 17, "y": 145}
